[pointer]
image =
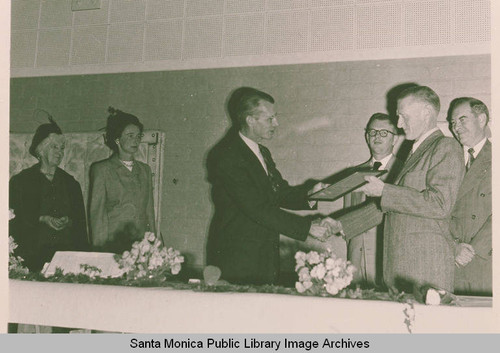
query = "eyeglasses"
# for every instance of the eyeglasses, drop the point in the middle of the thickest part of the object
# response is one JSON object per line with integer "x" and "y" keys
{"x": 382, "y": 133}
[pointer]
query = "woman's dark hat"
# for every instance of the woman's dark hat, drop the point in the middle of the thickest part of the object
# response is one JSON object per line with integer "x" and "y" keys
{"x": 42, "y": 133}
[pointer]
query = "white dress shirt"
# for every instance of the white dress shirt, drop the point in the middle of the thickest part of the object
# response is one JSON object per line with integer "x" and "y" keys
{"x": 477, "y": 148}
{"x": 254, "y": 146}
{"x": 383, "y": 161}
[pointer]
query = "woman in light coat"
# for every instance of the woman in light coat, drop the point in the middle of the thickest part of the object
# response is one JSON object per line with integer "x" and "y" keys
{"x": 121, "y": 193}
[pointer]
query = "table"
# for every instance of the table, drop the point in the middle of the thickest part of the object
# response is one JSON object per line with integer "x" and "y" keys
{"x": 165, "y": 310}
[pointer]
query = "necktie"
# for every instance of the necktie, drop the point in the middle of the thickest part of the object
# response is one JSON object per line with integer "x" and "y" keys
{"x": 377, "y": 165}
{"x": 272, "y": 172}
{"x": 471, "y": 158}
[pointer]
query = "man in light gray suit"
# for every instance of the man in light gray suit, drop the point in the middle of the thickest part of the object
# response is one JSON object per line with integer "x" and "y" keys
{"x": 418, "y": 246}
{"x": 471, "y": 216}
{"x": 365, "y": 250}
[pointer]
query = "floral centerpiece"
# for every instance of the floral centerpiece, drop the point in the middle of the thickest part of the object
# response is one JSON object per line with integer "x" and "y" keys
{"x": 15, "y": 262}
{"x": 16, "y": 266}
{"x": 322, "y": 274}
{"x": 148, "y": 258}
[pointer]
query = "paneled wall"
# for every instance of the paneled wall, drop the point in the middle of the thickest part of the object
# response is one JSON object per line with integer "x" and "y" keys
{"x": 322, "y": 110}
{"x": 48, "y": 38}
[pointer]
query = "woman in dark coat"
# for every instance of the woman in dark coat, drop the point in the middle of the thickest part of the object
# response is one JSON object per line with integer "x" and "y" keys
{"x": 47, "y": 202}
{"x": 121, "y": 192}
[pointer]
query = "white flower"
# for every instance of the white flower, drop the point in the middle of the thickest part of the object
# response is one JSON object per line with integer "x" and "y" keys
{"x": 176, "y": 268}
{"x": 12, "y": 245}
{"x": 318, "y": 271}
{"x": 150, "y": 236}
{"x": 335, "y": 272}
{"x": 150, "y": 255}
{"x": 432, "y": 297}
{"x": 134, "y": 252}
{"x": 325, "y": 272}
{"x": 332, "y": 288}
{"x": 145, "y": 247}
{"x": 304, "y": 274}
{"x": 11, "y": 214}
{"x": 330, "y": 263}
{"x": 300, "y": 287}
{"x": 307, "y": 284}
{"x": 351, "y": 269}
{"x": 300, "y": 258}
{"x": 313, "y": 257}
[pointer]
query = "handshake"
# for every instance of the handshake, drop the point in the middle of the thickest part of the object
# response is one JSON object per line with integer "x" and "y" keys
{"x": 322, "y": 229}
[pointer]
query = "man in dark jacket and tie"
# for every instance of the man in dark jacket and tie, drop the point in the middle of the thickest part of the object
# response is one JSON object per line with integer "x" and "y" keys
{"x": 249, "y": 193}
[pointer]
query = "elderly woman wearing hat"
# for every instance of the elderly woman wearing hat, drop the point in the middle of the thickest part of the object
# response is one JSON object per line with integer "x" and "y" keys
{"x": 121, "y": 192}
{"x": 48, "y": 203}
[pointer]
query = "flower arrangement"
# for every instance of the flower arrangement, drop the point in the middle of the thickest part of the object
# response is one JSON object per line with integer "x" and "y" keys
{"x": 15, "y": 262}
{"x": 322, "y": 274}
{"x": 149, "y": 259}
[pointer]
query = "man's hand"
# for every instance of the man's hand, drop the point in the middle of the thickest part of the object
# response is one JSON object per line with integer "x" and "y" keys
{"x": 319, "y": 186}
{"x": 333, "y": 225}
{"x": 464, "y": 253}
{"x": 325, "y": 228}
{"x": 318, "y": 232}
{"x": 374, "y": 187}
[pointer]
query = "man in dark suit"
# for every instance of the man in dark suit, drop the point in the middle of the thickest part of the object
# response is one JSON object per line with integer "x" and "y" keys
{"x": 365, "y": 250}
{"x": 471, "y": 217}
{"x": 248, "y": 193}
{"x": 418, "y": 246}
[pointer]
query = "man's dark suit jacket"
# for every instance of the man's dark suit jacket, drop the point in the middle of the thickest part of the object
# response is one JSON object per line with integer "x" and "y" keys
{"x": 244, "y": 234}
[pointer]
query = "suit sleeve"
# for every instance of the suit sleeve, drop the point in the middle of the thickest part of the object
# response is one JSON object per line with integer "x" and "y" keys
{"x": 442, "y": 180}
{"x": 150, "y": 212}
{"x": 97, "y": 206}
{"x": 482, "y": 242}
{"x": 234, "y": 177}
{"x": 294, "y": 197}
{"x": 360, "y": 218}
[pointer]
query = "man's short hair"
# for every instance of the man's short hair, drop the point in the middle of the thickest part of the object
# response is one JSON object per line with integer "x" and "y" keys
{"x": 382, "y": 117}
{"x": 424, "y": 94}
{"x": 242, "y": 103}
{"x": 476, "y": 106}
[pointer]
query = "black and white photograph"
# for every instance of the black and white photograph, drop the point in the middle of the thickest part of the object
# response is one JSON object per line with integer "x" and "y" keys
{"x": 261, "y": 166}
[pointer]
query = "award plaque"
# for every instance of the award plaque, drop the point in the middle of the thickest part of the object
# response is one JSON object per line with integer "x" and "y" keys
{"x": 353, "y": 181}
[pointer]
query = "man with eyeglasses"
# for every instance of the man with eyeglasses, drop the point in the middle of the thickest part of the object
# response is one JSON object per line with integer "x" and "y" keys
{"x": 365, "y": 250}
{"x": 471, "y": 217}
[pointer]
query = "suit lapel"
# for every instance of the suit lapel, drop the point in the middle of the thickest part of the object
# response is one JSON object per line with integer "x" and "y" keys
{"x": 251, "y": 160}
{"x": 417, "y": 155}
{"x": 476, "y": 173}
{"x": 393, "y": 166}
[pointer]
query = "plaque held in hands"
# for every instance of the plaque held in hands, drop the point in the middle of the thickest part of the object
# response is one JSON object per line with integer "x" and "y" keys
{"x": 341, "y": 187}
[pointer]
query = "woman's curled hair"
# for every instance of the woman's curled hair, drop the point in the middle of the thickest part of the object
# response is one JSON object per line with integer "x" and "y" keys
{"x": 117, "y": 122}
